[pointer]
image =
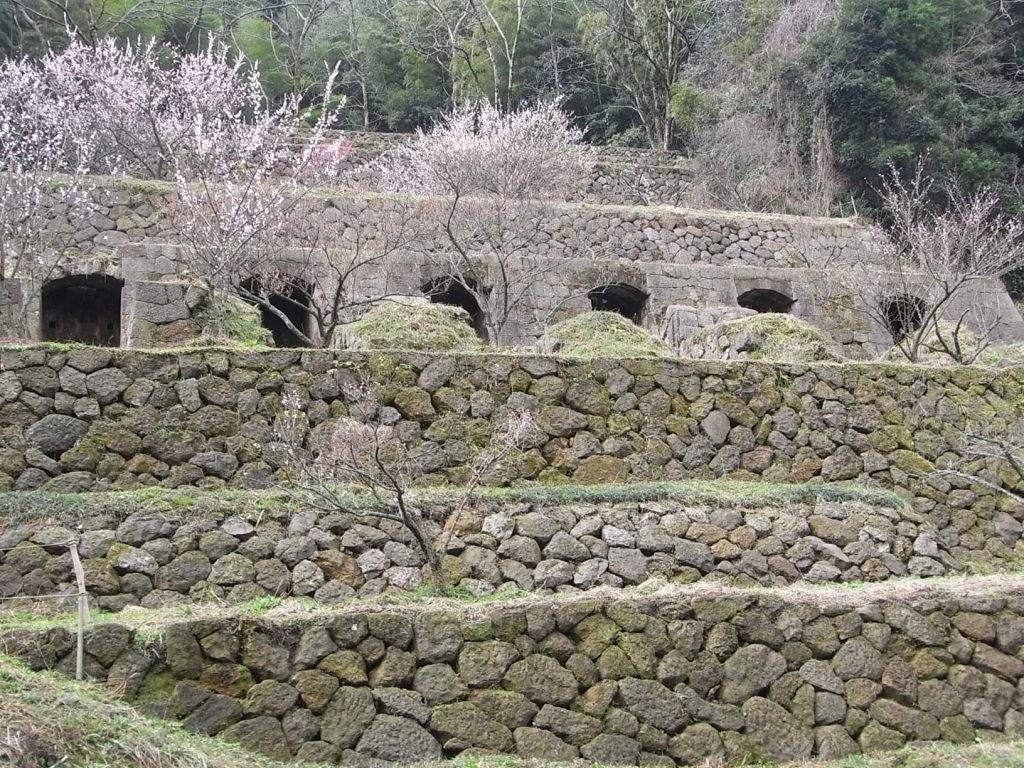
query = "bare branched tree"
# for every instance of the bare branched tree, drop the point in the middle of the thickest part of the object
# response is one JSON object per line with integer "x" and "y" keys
{"x": 330, "y": 265}
{"x": 241, "y": 188}
{"x": 796, "y": 22}
{"x": 993, "y": 460}
{"x": 366, "y": 451}
{"x": 921, "y": 286}
{"x": 491, "y": 177}
{"x": 644, "y": 46}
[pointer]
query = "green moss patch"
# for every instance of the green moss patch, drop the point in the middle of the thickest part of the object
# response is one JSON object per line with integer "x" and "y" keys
{"x": 232, "y": 322}
{"x": 603, "y": 334}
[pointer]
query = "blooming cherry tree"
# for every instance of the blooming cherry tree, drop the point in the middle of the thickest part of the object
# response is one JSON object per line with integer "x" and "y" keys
{"x": 42, "y": 192}
{"x": 491, "y": 175}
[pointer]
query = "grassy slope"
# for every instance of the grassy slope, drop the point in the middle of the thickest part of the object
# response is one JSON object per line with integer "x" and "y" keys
{"x": 1009, "y": 754}
{"x": 49, "y": 720}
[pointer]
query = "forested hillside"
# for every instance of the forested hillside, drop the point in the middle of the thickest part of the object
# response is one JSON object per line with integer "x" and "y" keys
{"x": 789, "y": 106}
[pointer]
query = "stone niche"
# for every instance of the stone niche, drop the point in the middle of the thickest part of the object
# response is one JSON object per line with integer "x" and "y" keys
{"x": 84, "y": 309}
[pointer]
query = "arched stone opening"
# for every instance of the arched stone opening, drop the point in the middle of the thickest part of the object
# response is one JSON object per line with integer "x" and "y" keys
{"x": 765, "y": 300}
{"x": 903, "y": 315}
{"x": 620, "y": 298}
{"x": 83, "y": 309}
{"x": 293, "y": 304}
{"x": 453, "y": 293}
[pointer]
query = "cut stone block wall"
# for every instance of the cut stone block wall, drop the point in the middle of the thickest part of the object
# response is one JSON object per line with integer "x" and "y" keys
{"x": 677, "y": 257}
{"x": 128, "y": 211}
{"x": 670, "y": 679}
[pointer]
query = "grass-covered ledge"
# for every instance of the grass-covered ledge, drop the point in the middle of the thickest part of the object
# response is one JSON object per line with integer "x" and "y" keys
{"x": 70, "y": 508}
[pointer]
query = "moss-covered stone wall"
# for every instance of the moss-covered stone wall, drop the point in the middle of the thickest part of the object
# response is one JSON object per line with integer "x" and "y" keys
{"x": 669, "y": 679}
{"x": 96, "y": 419}
{"x": 204, "y": 548}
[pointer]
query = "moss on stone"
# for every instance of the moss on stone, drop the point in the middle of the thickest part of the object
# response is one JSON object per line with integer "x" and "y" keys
{"x": 910, "y": 462}
{"x": 156, "y": 693}
{"x": 230, "y": 321}
{"x": 413, "y": 324}
{"x": 603, "y": 334}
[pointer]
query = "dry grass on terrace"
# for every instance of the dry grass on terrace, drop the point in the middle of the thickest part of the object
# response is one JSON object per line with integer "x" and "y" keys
{"x": 149, "y": 623}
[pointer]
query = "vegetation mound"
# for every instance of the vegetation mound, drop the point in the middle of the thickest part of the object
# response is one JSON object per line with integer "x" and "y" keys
{"x": 768, "y": 336}
{"x": 417, "y": 324}
{"x": 603, "y": 334}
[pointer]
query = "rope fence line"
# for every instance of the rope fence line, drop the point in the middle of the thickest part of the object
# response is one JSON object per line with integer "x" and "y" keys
{"x": 82, "y": 598}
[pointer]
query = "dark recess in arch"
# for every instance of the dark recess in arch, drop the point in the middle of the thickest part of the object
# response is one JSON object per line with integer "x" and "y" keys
{"x": 294, "y": 304}
{"x": 620, "y": 298}
{"x": 83, "y": 309}
{"x": 765, "y": 300}
{"x": 448, "y": 291}
{"x": 903, "y": 315}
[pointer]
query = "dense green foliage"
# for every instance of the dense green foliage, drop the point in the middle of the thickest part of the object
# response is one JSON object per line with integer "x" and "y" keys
{"x": 897, "y": 77}
{"x": 906, "y": 78}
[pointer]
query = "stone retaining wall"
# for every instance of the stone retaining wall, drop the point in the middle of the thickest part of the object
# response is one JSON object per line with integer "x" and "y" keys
{"x": 98, "y": 419}
{"x": 621, "y": 175}
{"x": 670, "y": 679}
{"x": 159, "y": 559}
{"x": 128, "y": 211}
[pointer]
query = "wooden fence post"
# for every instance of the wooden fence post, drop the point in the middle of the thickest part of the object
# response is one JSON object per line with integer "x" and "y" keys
{"x": 83, "y": 607}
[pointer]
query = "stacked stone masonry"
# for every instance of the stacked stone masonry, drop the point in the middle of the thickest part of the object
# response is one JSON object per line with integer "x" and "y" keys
{"x": 91, "y": 419}
{"x": 670, "y": 679}
{"x": 158, "y": 560}
{"x": 127, "y": 212}
{"x": 683, "y": 261}
{"x": 621, "y": 175}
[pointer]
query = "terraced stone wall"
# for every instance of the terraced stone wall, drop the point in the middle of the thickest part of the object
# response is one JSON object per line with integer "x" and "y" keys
{"x": 98, "y": 419}
{"x": 670, "y": 679}
{"x": 621, "y": 175}
{"x": 133, "y": 212}
{"x": 233, "y": 554}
